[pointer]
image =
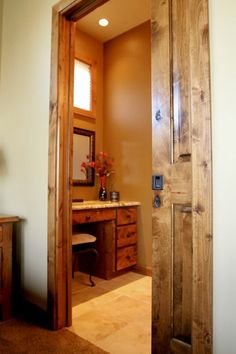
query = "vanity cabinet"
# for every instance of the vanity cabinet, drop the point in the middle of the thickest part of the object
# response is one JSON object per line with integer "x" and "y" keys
{"x": 6, "y": 226}
{"x": 115, "y": 226}
{"x": 126, "y": 238}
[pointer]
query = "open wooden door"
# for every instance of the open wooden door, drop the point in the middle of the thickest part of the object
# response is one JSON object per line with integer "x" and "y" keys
{"x": 182, "y": 227}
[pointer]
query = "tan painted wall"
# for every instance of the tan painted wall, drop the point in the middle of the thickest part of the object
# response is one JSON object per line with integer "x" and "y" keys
{"x": 127, "y": 124}
{"x": 89, "y": 47}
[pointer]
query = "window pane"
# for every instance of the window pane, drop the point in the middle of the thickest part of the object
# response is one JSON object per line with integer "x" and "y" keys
{"x": 82, "y": 85}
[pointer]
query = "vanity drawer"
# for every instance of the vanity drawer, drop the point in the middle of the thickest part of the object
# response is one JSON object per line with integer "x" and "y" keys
{"x": 1, "y": 233}
{"x": 87, "y": 216}
{"x": 126, "y": 235}
{"x": 126, "y": 215}
{"x": 1, "y": 268}
{"x": 126, "y": 257}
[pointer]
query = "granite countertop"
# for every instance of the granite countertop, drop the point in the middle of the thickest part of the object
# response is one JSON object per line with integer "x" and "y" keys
{"x": 98, "y": 204}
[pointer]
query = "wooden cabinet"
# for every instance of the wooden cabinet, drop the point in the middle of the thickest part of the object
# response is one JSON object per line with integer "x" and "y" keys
{"x": 126, "y": 235}
{"x": 6, "y": 225}
{"x": 116, "y": 232}
{"x": 127, "y": 215}
{"x": 96, "y": 215}
{"x": 126, "y": 238}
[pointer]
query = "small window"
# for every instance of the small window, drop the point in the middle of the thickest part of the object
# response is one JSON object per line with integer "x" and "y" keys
{"x": 84, "y": 88}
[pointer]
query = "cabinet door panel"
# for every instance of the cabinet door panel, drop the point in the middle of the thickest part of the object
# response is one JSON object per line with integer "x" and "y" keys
{"x": 1, "y": 268}
{"x": 126, "y": 235}
{"x": 126, "y": 257}
{"x": 87, "y": 216}
{"x": 126, "y": 215}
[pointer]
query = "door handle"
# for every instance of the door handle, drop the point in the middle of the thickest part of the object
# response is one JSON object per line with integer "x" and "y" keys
{"x": 157, "y": 202}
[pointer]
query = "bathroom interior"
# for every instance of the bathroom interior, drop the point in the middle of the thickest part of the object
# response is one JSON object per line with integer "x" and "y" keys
{"x": 115, "y": 314}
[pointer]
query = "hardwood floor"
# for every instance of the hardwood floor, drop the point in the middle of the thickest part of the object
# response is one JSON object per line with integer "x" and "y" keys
{"x": 115, "y": 315}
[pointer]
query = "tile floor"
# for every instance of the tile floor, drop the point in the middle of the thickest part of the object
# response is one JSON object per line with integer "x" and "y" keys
{"x": 115, "y": 315}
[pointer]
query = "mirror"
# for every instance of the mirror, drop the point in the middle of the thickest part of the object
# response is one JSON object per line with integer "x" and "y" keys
{"x": 83, "y": 146}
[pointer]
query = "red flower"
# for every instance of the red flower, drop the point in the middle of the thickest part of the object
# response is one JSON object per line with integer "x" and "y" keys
{"x": 102, "y": 164}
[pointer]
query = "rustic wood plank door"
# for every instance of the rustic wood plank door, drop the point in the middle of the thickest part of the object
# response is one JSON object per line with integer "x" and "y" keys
{"x": 182, "y": 227}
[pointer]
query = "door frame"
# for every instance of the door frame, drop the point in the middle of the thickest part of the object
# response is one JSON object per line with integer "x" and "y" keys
{"x": 64, "y": 14}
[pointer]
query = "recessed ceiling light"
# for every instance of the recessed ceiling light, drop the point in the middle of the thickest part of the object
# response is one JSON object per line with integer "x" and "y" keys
{"x": 103, "y": 22}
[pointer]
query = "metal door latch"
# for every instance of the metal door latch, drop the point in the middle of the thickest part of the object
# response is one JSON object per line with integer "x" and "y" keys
{"x": 157, "y": 202}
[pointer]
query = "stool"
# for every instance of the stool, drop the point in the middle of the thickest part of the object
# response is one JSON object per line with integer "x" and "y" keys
{"x": 84, "y": 244}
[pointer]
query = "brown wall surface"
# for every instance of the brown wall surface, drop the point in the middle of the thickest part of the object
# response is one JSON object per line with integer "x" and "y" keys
{"x": 87, "y": 46}
{"x": 127, "y": 124}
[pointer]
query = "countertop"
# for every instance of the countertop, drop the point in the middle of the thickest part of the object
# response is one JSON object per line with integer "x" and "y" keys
{"x": 98, "y": 204}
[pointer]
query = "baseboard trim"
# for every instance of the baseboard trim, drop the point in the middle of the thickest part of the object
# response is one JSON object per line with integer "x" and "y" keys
{"x": 142, "y": 270}
{"x": 28, "y": 311}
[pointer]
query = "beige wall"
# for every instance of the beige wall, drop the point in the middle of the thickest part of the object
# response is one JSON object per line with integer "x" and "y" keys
{"x": 223, "y": 87}
{"x": 1, "y": 19}
{"x": 87, "y": 46}
{"x": 127, "y": 124}
{"x": 24, "y": 121}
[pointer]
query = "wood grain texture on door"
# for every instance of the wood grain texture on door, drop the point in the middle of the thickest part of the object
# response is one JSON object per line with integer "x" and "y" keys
{"x": 182, "y": 241}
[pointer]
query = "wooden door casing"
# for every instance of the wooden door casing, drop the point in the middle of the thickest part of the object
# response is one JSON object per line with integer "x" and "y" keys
{"x": 182, "y": 226}
{"x": 64, "y": 15}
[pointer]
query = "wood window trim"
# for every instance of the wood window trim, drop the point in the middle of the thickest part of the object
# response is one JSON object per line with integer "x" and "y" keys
{"x": 79, "y": 112}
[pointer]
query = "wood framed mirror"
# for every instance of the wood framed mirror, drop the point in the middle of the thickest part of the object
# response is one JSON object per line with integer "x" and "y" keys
{"x": 83, "y": 151}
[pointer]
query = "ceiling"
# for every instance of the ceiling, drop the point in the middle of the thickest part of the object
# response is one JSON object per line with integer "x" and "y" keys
{"x": 122, "y": 15}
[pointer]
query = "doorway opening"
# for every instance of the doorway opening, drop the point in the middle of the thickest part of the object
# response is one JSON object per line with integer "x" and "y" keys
{"x": 120, "y": 56}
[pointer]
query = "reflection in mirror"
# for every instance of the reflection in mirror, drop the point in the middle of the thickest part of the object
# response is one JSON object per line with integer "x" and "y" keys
{"x": 83, "y": 146}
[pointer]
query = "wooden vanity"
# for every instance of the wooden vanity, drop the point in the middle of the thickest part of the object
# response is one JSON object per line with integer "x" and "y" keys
{"x": 6, "y": 227}
{"x": 115, "y": 226}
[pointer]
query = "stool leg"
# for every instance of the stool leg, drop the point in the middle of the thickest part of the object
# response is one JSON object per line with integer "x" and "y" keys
{"x": 94, "y": 254}
{"x": 73, "y": 264}
{"x": 91, "y": 281}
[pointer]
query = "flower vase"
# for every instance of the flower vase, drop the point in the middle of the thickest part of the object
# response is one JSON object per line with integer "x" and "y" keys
{"x": 102, "y": 190}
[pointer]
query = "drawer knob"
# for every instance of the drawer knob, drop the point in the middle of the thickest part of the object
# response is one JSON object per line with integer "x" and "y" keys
{"x": 128, "y": 257}
{"x": 87, "y": 217}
